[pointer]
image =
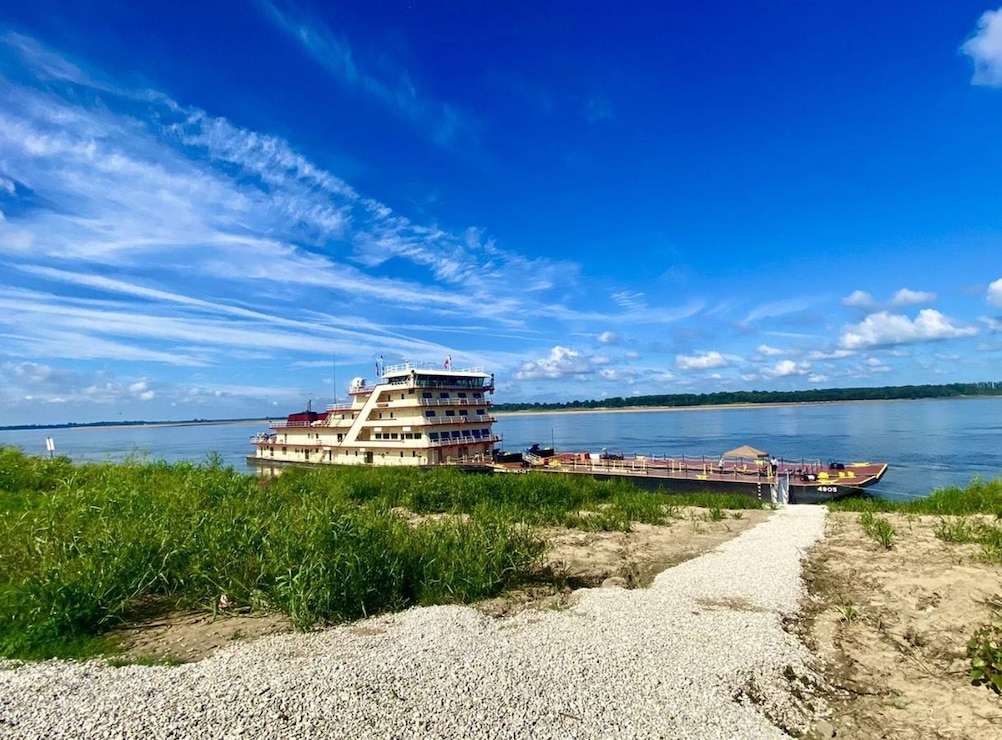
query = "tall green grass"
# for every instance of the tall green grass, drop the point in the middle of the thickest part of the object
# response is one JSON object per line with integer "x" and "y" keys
{"x": 84, "y": 548}
{"x": 979, "y": 497}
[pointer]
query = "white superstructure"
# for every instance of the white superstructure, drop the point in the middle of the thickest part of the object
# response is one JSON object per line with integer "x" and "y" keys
{"x": 413, "y": 415}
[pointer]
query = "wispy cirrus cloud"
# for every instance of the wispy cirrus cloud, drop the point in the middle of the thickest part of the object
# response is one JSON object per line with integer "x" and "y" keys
{"x": 392, "y": 86}
{"x": 777, "y": 309}
{"x": 140, "y": 179}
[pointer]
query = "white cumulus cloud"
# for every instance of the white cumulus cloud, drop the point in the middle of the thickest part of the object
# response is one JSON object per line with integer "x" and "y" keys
{"x": 859, "y": 299}
{"x": 785, "y": 368}
{"x": 766, "y": 351}
{"x": 906, "y": 297}
{"x": 994, "y": 296}
{"x": 608, "y": 337}
{"x": 560, "y": 363}
{"x": 985, "y": 49}
{"x": 703, "y": 361}
{"x": 885, "y": 329}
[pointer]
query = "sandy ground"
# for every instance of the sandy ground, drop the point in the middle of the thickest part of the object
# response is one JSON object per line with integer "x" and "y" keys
{"x": 889, "y": 627}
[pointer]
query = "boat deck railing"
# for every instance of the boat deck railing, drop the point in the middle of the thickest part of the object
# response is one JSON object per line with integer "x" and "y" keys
{"x": 406, "y": 366}
{"x": 698, "y": 468}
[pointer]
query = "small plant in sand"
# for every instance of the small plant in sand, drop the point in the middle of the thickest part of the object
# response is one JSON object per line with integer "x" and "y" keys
{"x": 985, "y": 651}
{"x": 848, "y": 613}
{"x": 878, "y": 528}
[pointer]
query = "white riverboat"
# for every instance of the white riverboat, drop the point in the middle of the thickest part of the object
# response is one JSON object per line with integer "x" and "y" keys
{"x": 414, "y": 414}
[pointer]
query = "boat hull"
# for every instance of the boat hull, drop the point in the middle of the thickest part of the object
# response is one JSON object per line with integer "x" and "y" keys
{"x": 765, "y": 488}
{"x": 762, "y": 490}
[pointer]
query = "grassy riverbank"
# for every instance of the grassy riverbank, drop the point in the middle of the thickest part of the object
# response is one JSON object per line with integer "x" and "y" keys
{"x": 86, "y": 548}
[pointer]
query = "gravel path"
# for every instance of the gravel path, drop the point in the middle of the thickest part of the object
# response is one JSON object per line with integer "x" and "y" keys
{"x": 700, "y": 654}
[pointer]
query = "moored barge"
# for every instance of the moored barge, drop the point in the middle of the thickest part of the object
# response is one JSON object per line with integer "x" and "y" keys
{"x": 745, "y": 470}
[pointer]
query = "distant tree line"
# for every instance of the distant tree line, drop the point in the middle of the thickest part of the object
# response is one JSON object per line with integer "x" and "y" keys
{"x": 884, "y": 393}
{"x": 131, "y": 423}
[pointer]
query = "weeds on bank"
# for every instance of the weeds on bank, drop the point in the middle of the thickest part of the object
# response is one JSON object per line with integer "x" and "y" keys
{"x": 973, "y": 531}
{"x": 84, "y": 548}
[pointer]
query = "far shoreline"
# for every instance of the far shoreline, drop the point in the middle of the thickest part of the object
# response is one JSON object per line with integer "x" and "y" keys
{"x": 722, "y": 406}
{"x": 521, "y": 412}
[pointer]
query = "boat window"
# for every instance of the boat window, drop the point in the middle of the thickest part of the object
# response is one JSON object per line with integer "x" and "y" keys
{"x": 466, "y": 433}
{"x": 426, "y": 394}
{"x": 476, "y": 433}
{"x": 432, "y": 435}
{"x": 450, "y": 412}
{"x": 443, "y": 395}
{"x": 480, "y": 412}
{"x": 461, "y": 395}
{"x": 393, "y": 435}
{"x": 478, "y": 395}
{"x": 463, "y": 412}
{"x": 455, "y": 435}
{"x": 429, "y": 414}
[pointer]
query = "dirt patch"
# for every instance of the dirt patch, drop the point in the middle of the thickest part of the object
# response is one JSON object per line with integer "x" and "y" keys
{"x": 191, "y": 636}
{"x": 575, "y": 559}
{"x": 578, "y": 559}
{"x": 890, "y": 628}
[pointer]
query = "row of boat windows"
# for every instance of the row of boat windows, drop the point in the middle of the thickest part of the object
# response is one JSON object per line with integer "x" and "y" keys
{"x": 457, "y": 434}
{"x": 433, "y": 436}
{"x": 439, "y": 381}
{"x": 429, "y": 394}
{"x": 451, "y": 412}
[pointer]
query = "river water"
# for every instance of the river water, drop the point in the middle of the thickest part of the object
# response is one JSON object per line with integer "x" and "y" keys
{"x": 929, "y": 444}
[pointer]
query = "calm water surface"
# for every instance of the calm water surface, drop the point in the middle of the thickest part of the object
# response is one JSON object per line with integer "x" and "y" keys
{"x": 929, "y": 444}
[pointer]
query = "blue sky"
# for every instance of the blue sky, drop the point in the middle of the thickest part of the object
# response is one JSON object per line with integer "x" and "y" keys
{"x": 206, "y": 208}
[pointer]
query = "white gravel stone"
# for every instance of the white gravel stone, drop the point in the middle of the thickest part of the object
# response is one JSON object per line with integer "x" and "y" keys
{"x": 699, "y": 654}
